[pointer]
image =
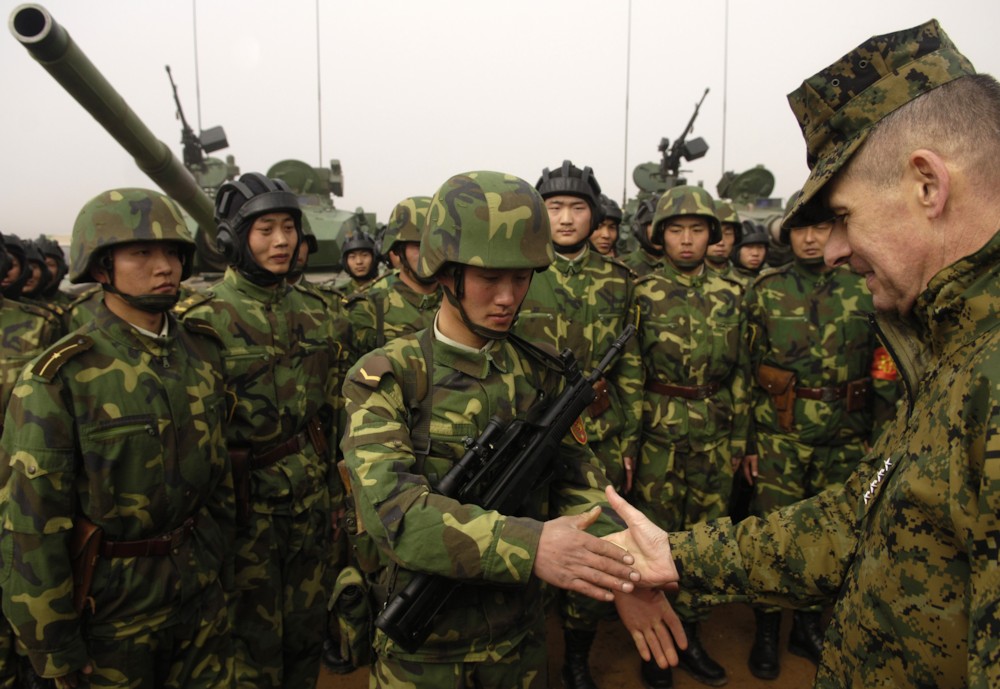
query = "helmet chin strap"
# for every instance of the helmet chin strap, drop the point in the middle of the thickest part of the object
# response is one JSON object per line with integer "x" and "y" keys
{"x": 405, "y": 266}
{"x": 570, "y": 249}
{"x": 812, "y": 261}
{"x": 456, "y": 300}
{"x": 150, "y": 303}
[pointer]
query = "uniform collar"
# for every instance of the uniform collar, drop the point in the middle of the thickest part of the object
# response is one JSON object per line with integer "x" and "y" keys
{"x": 266, "y": 295}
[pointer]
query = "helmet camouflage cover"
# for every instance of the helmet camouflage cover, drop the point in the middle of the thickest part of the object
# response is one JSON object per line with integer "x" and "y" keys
{"x": 120, "y": 216}
{"x": 686, "y": 200}
{"x": 405, "y": 222}
{"x": 486, "y": 219}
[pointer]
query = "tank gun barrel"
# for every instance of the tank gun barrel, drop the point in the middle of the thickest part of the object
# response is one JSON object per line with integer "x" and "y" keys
{"x": 54, "y": 49}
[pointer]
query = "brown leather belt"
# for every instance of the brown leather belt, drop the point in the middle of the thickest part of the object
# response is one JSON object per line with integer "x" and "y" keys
{"x": 159, "y": 545}
{"x": 854, "y": 391}
{"x": 689, "y": 392}
{"x": 312, "y": 433}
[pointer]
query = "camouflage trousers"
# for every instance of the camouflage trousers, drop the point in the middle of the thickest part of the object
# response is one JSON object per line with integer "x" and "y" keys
{"x": 8, "y": 659}
{"x": 677, "y": 487}
{"x": 789, "y": 471}
{"x": 526, "y": 667}
{"x": 279, "y": 608}
{"x": 196, "y": 652}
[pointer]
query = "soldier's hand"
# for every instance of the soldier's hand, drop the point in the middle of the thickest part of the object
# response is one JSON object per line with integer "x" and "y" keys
{"x": 750, "y": 468}
{"x": 572, "y": 559}
{"x": 647, "y": 542}
{"x": 629, "y": 473}
{"x": 73, "y": 679}
{"x": 653, "y": 624}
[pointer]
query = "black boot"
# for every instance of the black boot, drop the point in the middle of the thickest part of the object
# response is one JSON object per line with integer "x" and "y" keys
{"x": 576, "y": 671}
{"x": 806, "y": 639}
{"x": 696, "y": 661}
{"x": 655, "y": 677}
{"x": 763, "y": 661}
{"x": 332, "y": 659}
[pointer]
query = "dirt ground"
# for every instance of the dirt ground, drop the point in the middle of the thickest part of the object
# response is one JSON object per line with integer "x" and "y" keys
{"x": 728, "y": 635}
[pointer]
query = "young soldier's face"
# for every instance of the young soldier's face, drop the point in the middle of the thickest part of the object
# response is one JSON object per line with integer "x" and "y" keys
{"x": 570, "y": 219}
{"x": 14, "y": 273}
{"x": 490, "y": 298}
{"x": 808, "y": 242}
{"x": 685, "y": 239}
{"x": 272, "y": 240}
{"x": 720, "y": 251}
{"x": 53, "y": 266}
{"x": 752, "y": 256}
{"x": 359, "y": 262}
{"x": 141, "y": 268}
{"x": 604, "y": 237}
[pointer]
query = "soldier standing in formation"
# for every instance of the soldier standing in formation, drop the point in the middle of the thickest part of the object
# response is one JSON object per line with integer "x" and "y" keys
{"x": 811, "y": 352}
{"x": 491, "y": 633}
{"x": 281, "y": 366}
{"x": 359, "y": 262}
{"x": 55, "y": 261}
{"x": 604, "y": 239}
{"x": 647, "y": 257}
{"x": 115, "y": 438}
{"x": 749, "y": 253}
{"x": 583, "y": 302}
{"x": 692, "y": 334}
{"x": 902, "y": 143}
{"x": 718, "y": 255}
{"x": 398, "y": 303}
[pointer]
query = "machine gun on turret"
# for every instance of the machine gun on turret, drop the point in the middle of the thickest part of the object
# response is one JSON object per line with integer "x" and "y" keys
{"x": 195, "y": 147}
{"x": 682, "y": 148}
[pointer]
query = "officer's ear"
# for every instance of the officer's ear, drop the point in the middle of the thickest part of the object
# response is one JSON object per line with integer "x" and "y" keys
{"x": 930, "y": 178}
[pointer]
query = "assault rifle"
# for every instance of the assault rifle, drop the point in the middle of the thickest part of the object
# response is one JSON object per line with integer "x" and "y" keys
{"x": 497, "y": 471}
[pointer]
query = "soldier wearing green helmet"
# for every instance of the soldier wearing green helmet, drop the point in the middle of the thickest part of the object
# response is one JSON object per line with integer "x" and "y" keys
{"x": 717, "y": 255}
{"x": 412, "y": 402}
{"x": 399, "y": 303}
{"x": 582, "y": 302}
{"x": 692, "y": 337}
{"x": 115, "y": 447}
{"x": 647, "y": 256}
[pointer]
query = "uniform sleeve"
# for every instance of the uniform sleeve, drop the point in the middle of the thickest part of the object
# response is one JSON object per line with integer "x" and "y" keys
{"x": 740, "y": 387}
{"x": 629, "y": 379}
{"x": 37, "y": 461}
{"x": 579, "y": 485}
{"x": 418, "y": 529}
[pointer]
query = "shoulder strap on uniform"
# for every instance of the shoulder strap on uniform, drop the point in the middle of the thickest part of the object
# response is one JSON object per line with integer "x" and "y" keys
{"x": 544, "y": 355}
{"x": 379, "y": 307}
{"x": 192, "y": 301}
{"x": 202, "y": 327}
{"x": 48, "y": 364}
{"x": 422, "y": 401}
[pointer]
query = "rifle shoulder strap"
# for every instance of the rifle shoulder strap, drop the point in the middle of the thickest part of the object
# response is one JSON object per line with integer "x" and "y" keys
{"x": 419, "y": 397}
{"x": 543, "y": 355}
{"x": 379, "y": 320}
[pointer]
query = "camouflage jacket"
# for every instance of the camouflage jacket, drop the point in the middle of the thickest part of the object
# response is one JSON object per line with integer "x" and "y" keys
{"x": 27, "y": 330}
{"x": 744, "y": 276}
{"x": 281, "y": 365}
{"x": 816, "y": 326}
{"x": 910, "y": 546}
{"x": 81, "y": 310}
{"x": 585, "y": 305}
{"x": 692, "y": 331}
{"x": 419, "y": 530}
{"x": 378, "y": 314}
{"x": 642, "y": 263}
{"x": 128, "y": 432}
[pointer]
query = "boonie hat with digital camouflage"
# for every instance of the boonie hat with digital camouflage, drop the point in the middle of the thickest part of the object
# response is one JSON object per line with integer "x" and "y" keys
{"x": 838, "y": 107}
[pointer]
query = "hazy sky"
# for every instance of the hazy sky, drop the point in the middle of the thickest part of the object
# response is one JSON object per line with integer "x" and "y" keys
{"x": 413, "y": 92}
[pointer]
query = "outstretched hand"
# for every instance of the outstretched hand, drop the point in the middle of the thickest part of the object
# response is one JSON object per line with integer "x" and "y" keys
{"x": 572, "y": 559}
{"x": 645, "y": 541}
{"x": 655, "y": 627}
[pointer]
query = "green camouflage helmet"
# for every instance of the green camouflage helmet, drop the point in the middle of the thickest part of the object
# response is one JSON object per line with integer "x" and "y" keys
{"x": 725, "y": 212}
{"x": 120, "y": 216}
{"x": 486, "y": 219}
{"x": 406, "y": 221}
{"x": 686, "y": 200}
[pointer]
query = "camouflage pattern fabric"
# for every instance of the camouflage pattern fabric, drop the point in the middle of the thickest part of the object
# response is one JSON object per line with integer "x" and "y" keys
{"x": 642, "y": 263}
{"x": 81, "y": 310}
{"x": 584, "y": 305}
{"x": 127, "y": 431}
{"x": 908, "y": 547}
{"x": 692, "y": 331}
{"x": 281, "y": 363}
{"x": 418, "y": 530}
{"x": 388, "y": 313}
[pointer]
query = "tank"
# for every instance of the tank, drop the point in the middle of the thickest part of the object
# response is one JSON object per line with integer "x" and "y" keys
{"x": 193, "y": 182}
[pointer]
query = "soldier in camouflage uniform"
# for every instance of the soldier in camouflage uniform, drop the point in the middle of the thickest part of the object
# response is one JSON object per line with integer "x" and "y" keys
{"x": 718, "y": 254}
{"x": 583, "y": 302}
{"x": 902, "y": 145}
{"x": 281, "y": 363}
{"x": 811, "y": 352}
{"x": 27, "y": 331}
{"x": 604, "y": 239}
{"x": 485, "y": 235}
{"x": 406, "y": 303}
{"x": 17, "y": 270}
{"x": 359, "y": 261}
{"x": 55, "y": 261}
{"x": 692, "y": 334}
{"x": 648, "y": 257}
{"x": 749, "y": 252}
{"x": 116, "y": 433}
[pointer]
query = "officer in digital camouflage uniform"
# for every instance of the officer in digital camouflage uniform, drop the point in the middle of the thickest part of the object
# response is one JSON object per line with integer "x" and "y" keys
{"x": 120, "y": 427}
{"x": 718, "y": 254}
{"x": 647, "y": 257}
{"x": 604, "y": 240}
{"x": 902, "y": 144}
{"x": 749, "y": 252}
{"x": 27, "y": 331}
{"x": 692, "y": 334}
{"x": 486, "y": 234}
{"x": 815, "y": 360}
{"x": 583, "y": 302}
{"x": 408, "y": 302}
{"x": 281, "y": 363}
